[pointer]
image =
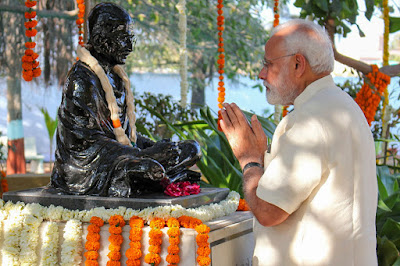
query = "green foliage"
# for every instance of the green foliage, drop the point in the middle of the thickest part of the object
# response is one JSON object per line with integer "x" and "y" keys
{"x": 158, "y": 41}
{"x": 394, "y": 24}
{"x": 344, "y": 13}
{"x": 388, "y": 218}
{"x": 218, "y": 165}
{"x": 149, "y": 124}
{"x": 2, "y": 153}
{"x": 51, "y": 125}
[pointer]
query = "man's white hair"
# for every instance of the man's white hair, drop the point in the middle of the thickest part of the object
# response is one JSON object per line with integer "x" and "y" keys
{"x": 310, "y": 40}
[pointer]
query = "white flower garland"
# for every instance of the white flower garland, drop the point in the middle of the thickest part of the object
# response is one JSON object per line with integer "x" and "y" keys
{"x": 12, "y": 233}
{"x": 181, "y": 6}
{"x": 20, "y": 241}
{"x": 71, "y": 248}
{"x": 32, "y": 218}
{"x": 49, "y": 245}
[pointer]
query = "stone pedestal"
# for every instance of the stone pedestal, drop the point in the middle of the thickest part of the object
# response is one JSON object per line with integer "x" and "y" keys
{"x": 46, "y": 197}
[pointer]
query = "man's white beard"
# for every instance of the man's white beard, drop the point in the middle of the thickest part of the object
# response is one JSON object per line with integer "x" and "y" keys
{"x": 285, "y": 95}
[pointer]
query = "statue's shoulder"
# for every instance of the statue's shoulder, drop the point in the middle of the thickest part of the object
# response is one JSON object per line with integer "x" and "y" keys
{"x": 81, "y": 77}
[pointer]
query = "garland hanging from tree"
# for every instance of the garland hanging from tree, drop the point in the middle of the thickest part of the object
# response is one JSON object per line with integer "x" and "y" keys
{"x": 30, "y": 65}
{"x": 80, "y": 21}
{"x": 370, "y": 94}
{"x": 221, "y": 59}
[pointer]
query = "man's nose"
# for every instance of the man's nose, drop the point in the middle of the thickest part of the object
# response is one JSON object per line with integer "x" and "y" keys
{"x": 263, "y": 73}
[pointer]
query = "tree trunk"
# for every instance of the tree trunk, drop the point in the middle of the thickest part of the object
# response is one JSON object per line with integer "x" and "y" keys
{"x": 14, "y": 49}
{"x": 198, "y": 82}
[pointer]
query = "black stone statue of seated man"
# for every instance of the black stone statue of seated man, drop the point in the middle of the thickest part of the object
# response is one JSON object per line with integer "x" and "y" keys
{"x": 98, "y": 151}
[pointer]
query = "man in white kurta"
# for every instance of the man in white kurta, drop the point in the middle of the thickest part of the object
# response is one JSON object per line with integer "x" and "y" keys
{"x": 314, "y": 195}
{"x": 321, "y": 170}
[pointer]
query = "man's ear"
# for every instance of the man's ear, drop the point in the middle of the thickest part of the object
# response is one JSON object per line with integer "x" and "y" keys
{"x": 301, "y": 63}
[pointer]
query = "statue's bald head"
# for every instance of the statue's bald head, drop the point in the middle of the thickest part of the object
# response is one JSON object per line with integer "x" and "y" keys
{"x": 110, "y": 32}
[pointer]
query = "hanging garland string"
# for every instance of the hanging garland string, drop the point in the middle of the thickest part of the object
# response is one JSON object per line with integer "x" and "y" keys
{"x": 203, "y": 247}
{"x": 116, "y": 239}
{"x": 221, "y": 59}
{"x": 92, "y": 244}
{"x": 155, "y": 241}
{"x": 134, "y": 252}
{"x": 30, "y": 65}
{"x": 4, "y": 183}
{"x": 370, "y": 94}
{"x": 385, "y": 103}
{"x": 80, "y": 21}
{"x": 173, "y": 239}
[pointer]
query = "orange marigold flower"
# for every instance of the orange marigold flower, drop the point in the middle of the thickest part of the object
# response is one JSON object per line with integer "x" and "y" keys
{"x": 174, "y": 240}
{"x": 219, "y": 6}
{"x": 203, "y": 260}
{"x": 202, "y": 238}
{"x": 220, "y": 11}
{"x": 155, "y": 233}
{"x": 173, "y": 249}
{"x": 136, "y": 221}
{"x": 92, "y": 228}
{"x": 30, "y": 15}
{"x": 220, "y": 28}
{"x": 116, "y": 239}
{"x": 97, "y": 221}
{"x": 115, "y": 230}
{"x": 30, "y": 24}
{"x": 155, "y": 249}
{"x": 91, "y": 263}
{"x": 173, "y": 222}
{"x": 243, "y": 206}
{"x": 30, "y": 4}
{"x": 174, "y": 232}
{"x": 152, "y": 258}
{"x": 113, "y": 247}
{"x": 91, "y": 255}
{"x": 135, "y": 244}
{"x": 117, "y": 220}
{"x": 93, "y": 237}
{"x": 155, "y": 242}
{"x": 157, "y": 223}
{"x": 130, "y": 262}
{"x": 133, "y": 253}
{"x": 30, "y": 45}
{"x": 204, "y": 251}
{"x": 113, "y": 263}
{"x": 79, "y": 21}
{"x": 202, "y": 229}
{"x": 30, "y": 33}
{"x": 172, "y": 258}
{"x": 114, "y": 255}
{"x": 92, "y": 245}
{"x": 27, "y": 65}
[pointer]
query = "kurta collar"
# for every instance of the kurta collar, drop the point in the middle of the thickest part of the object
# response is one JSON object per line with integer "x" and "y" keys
{"x": 312, "y": 89}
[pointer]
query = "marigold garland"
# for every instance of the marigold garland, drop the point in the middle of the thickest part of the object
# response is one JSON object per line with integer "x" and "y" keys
{"x": 243, "y": 206}
{"x": 4, "y": 183}
{"x": 155, "y": 234}
{"x": 92, "y": 244}
{"x": 116, "y": 223}
{"x": 221, "y": 59}
{"x": 173, "y": 248}
{"x": 203, "y": 247}
{"x": 30, "y": 66}
{"x": 368, "y": 98}
{"x": 134, "y": 252}
{"x": 80, "y": 20}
